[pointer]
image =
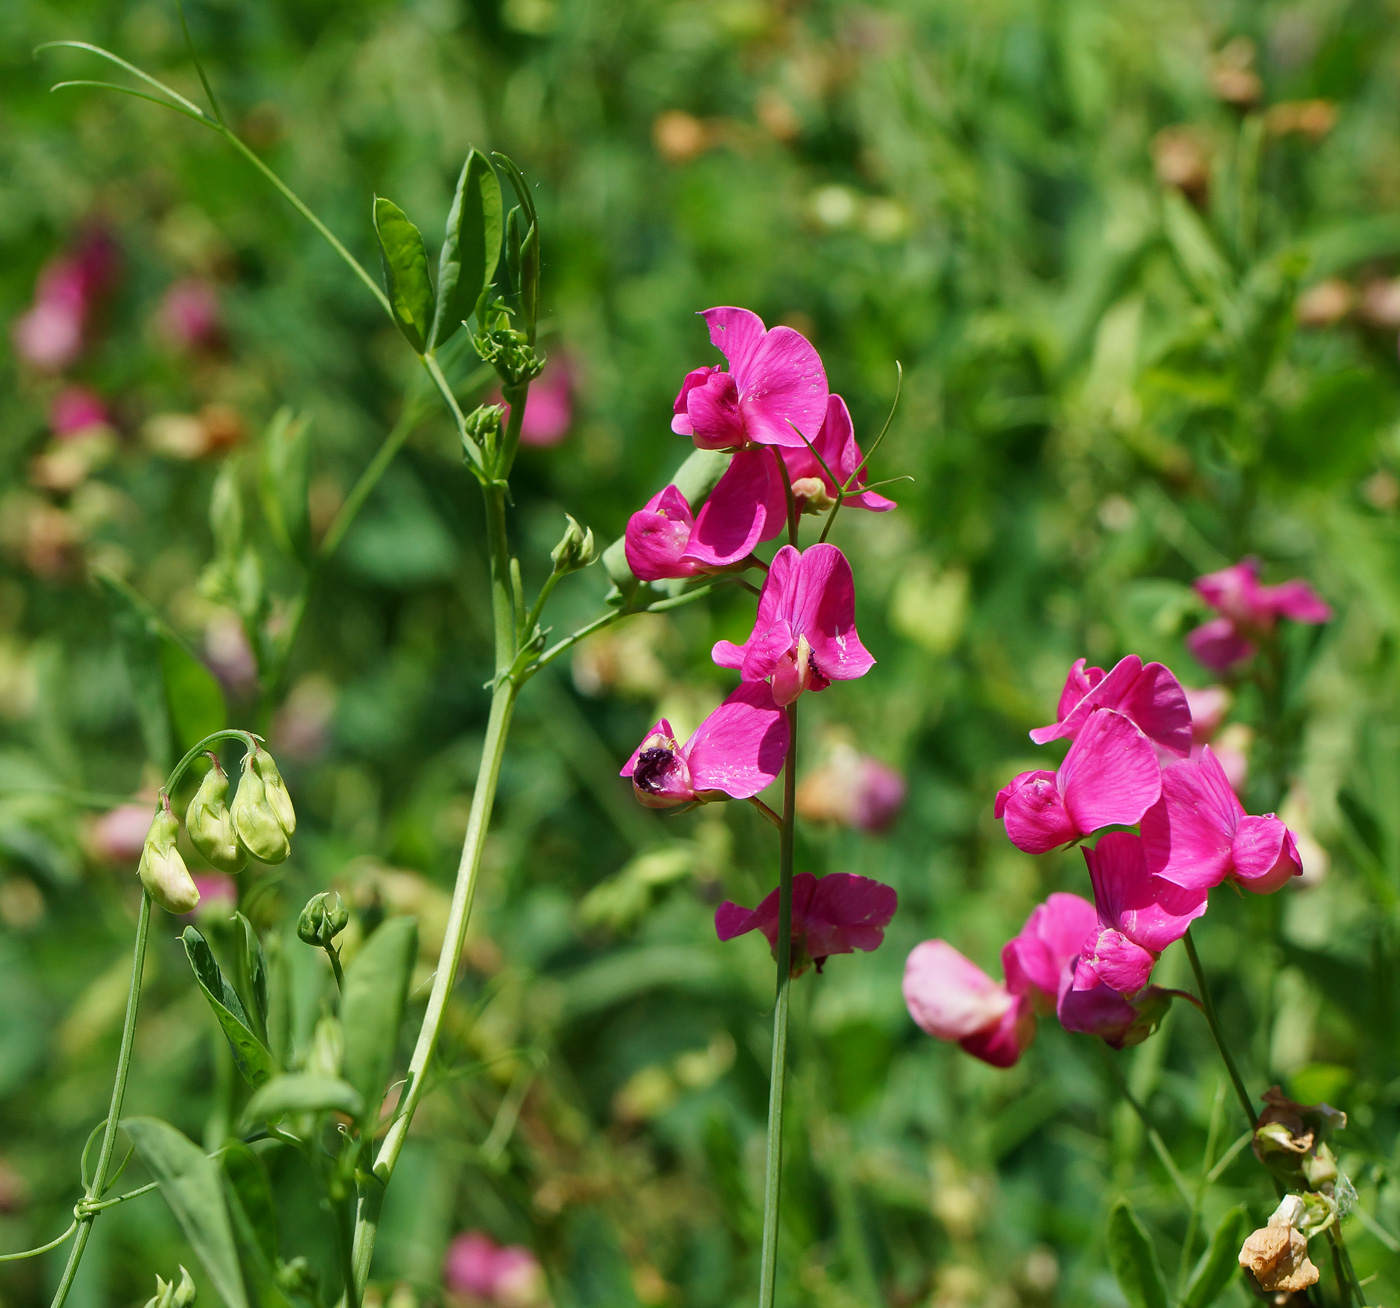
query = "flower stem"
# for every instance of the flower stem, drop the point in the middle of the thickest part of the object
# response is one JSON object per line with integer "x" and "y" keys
{"x": 87, "y": 1216}
{"x": 774, "y": 1153}
{"x": 1212, "y": 1021}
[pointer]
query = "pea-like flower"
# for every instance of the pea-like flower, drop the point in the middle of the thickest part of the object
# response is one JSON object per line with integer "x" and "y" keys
{"x": 735, "y": 752}
{"x": 1110, "y": 777}
{"x": 1198, "y": 833}
{"x": 835, "y": 914}
{"x": 775, "y": 383}
{"x": 1248, "y": 613}
{"x": 804, "y": 636}
{"x": 1147, "y": 694}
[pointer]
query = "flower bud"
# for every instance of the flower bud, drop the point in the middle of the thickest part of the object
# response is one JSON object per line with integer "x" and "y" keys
{"x": 255, "y": 821}
{"x": 162, "y": 870}
{"x": 324, "y": 917}
{"x": 210, "y": 824}
{"x": 483, "y": 425}
{"x": 170, "y": 1294}
{"x": 576, "y": 550}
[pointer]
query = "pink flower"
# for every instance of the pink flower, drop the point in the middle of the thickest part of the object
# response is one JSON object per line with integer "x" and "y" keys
{"x": 735, "y": 752}
{"x": 1147, "y": 694}
{"x": 837, "y": 914}
{"x": 549, "y": 409}
{"x": 1110, "y": 777}
{"x": 1139, "y": 914}
{"x": 852, "y": 789}
{"x": 1198, "y": 834}
{"x": 1248, "y": 611}
{"x": 1208, "y": 705}
{"x": 75, "y": 410}
{"x": 952, "y": 998}
{"x": 804, "y": 636}
{"x": 836, "y": 444}
{"x": 218, "y": 894}
{"x": 775, "y": 382}
{"x": 51, "y": 333}
{"x": 1054, "y": 933}
{"x": 188, "y": 316}
{"x": 506, "y": 1275}
{"x": 120, "y": 833}
{"x": 1092, "y": 1007}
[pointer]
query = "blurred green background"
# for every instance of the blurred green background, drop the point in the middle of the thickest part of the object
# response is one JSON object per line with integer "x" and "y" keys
{"x": 1138, "y": 260}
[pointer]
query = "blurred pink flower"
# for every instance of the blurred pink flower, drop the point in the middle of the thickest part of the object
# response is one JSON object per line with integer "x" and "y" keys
{"x": 1148, "y": 695}
{"x": 1110, "y": 777}
{"x": 218, "y": 894}
{"x": 549, "y": 409}
{"x": 804, "y": 635}
{"x": 51, "y": 333}
{"x": 836, "y": 914}
{"x": 952, "y": 998}
{"x": 119, "y": 834}
{"x": 853, "y": 789}
{"x": 1248, "y": 612}
{"x": 1208, "y": 706}
{"x": 1198, "y": 833}
{"x": 76, "y": 409}
{"x": 188, "y": 316}
{"x": 505, "y": 1275}
{"x": 1054, "y": 933}
{"x": 775, "y": 382}
{"x": 228, "y": 653}
{"x": 735, "y": 752}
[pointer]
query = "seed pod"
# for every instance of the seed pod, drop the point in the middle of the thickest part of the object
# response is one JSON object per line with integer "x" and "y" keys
{"x": 277, "y": 797}
{"x": 210, "y": 823}
{"x": 259, "y": 831}
{"x": 324, "y": 917}
{"x": 163, "y": 872}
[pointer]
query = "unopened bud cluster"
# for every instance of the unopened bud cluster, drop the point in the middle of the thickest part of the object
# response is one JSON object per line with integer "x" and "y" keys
{"x": 577, "y": 549}
{"x": 260, "y": 822}
{"x": 173, "y": 1294}
{"x": 324, "y": 917}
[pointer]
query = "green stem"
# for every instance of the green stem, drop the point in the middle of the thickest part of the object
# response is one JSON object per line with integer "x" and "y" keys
{"x": 43, "y": 1248}
{"x": 114, "y": 1112}
{"x": 1159, "y": 1146}
{"x": 502, "y": 592}
{"x": 1212, "y": 1021}
{"x": 774, "y": 1153}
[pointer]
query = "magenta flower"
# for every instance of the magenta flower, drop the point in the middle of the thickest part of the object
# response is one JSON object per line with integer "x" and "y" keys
{"x": 188, "y": 316}
{"x": 837, "y": 914}
{"x": 775, "y": 382}
{"x": 1092, "y": 1007}
{"x": 1248, "y": 611}
{"x": 1110, "y": 777}
{"x": 506, "y": 1275}
{"x": 218, "y": 895}
{"x": 1198, "y": 833}
{"x": 952, "y": 998}
{"x": 735, "y": 752}
{"x": 1054, "y": 933}
{"x": 836, "y": 445}
{"x": 1146, "y": 694}
{"x": 75, "y": 410}
{"x": 1208, "y": 706}
{"x": 119, "y": 835}
{"x": 1139, "y": 914}
{"x": 804, "y": 636}
{"x": 52, "y": 332}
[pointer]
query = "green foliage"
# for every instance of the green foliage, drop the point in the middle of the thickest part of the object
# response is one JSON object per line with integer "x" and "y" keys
{"x": 471, "y": 247}
{"x": 371, "y": 1009}
{"x": 405, "y": 272}
{"x": 1219, "y": 1265}
{"x": 1134, "y": 1260}
{"x": 250, "y": 1054}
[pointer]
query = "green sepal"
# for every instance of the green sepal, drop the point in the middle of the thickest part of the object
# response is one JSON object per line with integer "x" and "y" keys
{"x": 252, "y": 1058}
{"x": 284, "y": 475}
{"x": 303, "y": 1092}
{"x": 471, "y": 248}
{"x": 405, "y": 272}
{"x": 1219, "y": 1263}
{"x": 371, "y": 1009}
{"x": 1133, "y": 1259}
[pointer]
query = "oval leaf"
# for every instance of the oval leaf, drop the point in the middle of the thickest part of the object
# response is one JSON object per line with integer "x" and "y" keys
{"x": 371, "y": 1010}
{"x": 250, "y": 1055}
{"x": 303, "y": 1092}
{"x": 471, "y": 248}
{"x": 1220, "y": 1261}
{"x": 189, "y": 1182}
{"x": 405, "y": 272}
{"x": 1133, "y": 1259}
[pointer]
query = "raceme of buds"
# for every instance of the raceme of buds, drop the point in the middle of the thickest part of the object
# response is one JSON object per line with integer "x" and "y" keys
{"x": 576, "y": 550}
{"x": 173, "y": 1294}
{"x": 210, "y": 823}
{"x": 324, "y": 917}
{"x": 162, "y": 871}
{"x": 262, "y": 810}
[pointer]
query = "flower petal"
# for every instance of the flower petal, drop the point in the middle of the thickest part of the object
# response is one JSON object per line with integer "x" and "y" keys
{"x": 747, "y": 506}
{"x": 1218, "y": 645}
{"x": 657, "y": 538}
{"x": 715, "y": 419}
{"x": 1007, "y": 1039}
{"x": 736, "y": 334}
{"x": 1149, "y": 910}
{"x": 739, "y": 749}
{"x": 823, "y": 608}
{"x": 1264, "y": 854}
{"x": 1110, "y": 776}
{"x": 1053, "y": 934}
{"x": 783, "y": 385}
{"x": 1296, "y": 600}
{"x": 948, "y": 995}
{"x": 847, "y": 912}
{"x": 680, "y": 423}
{"x": 1118, "y": 962}
{"x": 661, "y": 733}
{"x": 1097, "y": 1009}
{"x": 1035, "y": 814}
{"x": 1187, "y": 835}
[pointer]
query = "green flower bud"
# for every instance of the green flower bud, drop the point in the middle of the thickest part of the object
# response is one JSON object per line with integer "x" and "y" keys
{"x": 277, "y": 797}
{"x": 259, "y": 831}
{"x": 483, "y": 425}
{"x": 210, "y": 824}
{"x": 576, "y": 550}
{"x": 327, "y": 1050}
{"x": 171, "y": 1295}
{"x": 324, "y": 917}
{"x": 163, "y": 871}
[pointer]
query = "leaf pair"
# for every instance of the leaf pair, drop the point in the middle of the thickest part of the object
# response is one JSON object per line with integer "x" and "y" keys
{"x": 247, "y": 1035}
{"x": 1139, "y": 1275}
{"x": 470, "y": 251}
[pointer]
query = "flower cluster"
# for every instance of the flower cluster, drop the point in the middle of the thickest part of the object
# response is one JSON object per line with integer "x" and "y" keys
{"x": 1132, "y": 762}
{"x": 480, "y": 1271}
{"x": 1248, "y": 613}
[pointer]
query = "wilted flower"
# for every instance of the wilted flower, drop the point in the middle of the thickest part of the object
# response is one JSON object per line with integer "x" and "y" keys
{"x": 509, "y": 1276}
{"x": 1276, "y": 1255}
{"x": 835, "y": 914}
{"x": 188, "y": 316}
{"x": 1248, "y": 612}
{"x": 1110, "y": 777}
{"x": 852, "y": 789}
{"x": 1148, "y": 695}
{"x": 735, "y": 752}
{"x": 775, "y": 383}
{"x": 804, "y": 636}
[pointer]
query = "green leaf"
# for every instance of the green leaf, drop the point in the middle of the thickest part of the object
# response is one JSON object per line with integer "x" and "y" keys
{"x": 1200, "y": 260}
{"x": 193, "y": 696}
{"x": 1219, "y": 1262}
{"x": 283, "y": 477}
{"x": 253, "y": 963}
{"x": 530, "y": 276}
{"x": 1133, "y": 1259}
{"x": 471, "y": 248}
{"x": 190, "y": 1183}
{"x": 251, "y": 1191}
{"x": 371, "y": 1010}
{"x": 405, "y": 272}
{"x": 249, "y": 1053}
{"x": 303, "y": 1092}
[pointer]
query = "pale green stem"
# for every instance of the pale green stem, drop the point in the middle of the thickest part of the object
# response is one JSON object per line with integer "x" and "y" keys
{"x": 114, "y": 1112}
{"x": 1212, "y": 1021}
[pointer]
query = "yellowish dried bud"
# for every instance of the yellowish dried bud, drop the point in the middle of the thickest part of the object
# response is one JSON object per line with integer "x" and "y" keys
{"x": 210, "y": 823}
{"x": 162, "y": 871}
